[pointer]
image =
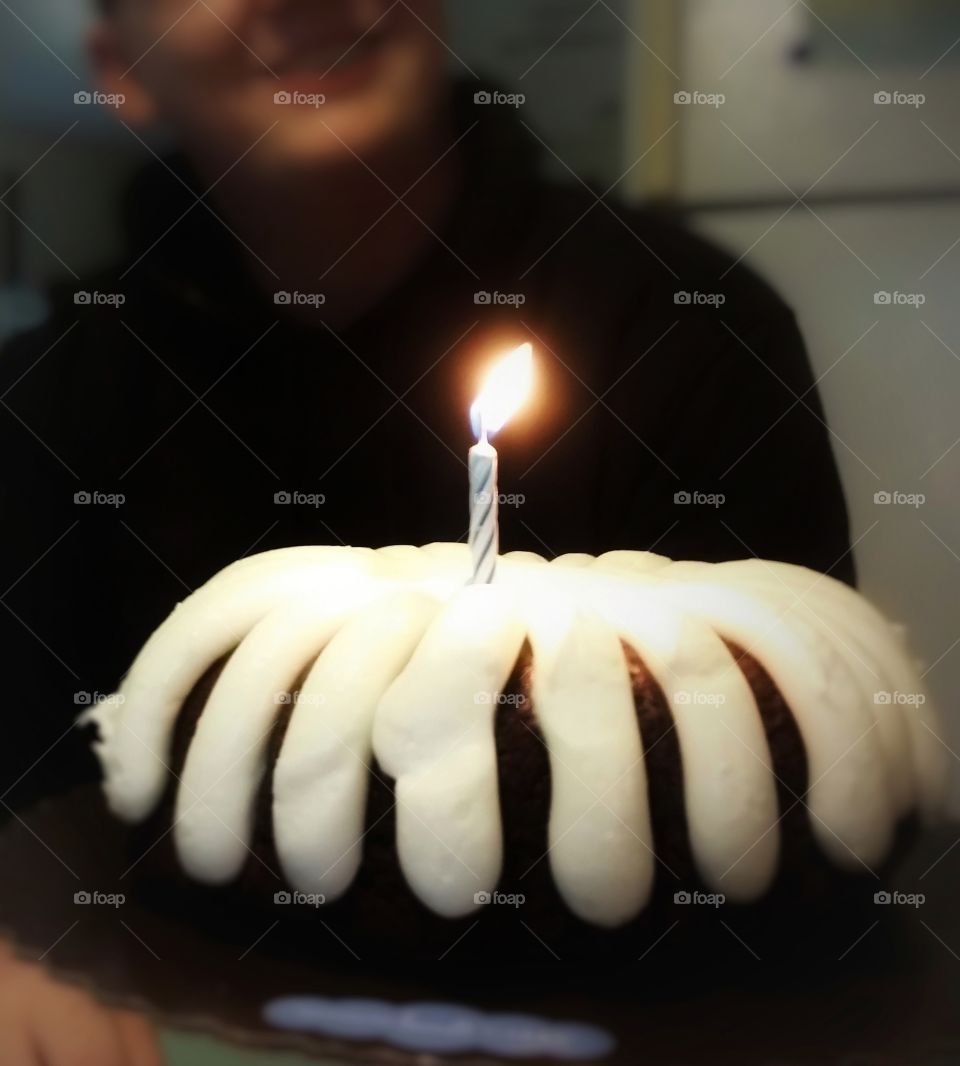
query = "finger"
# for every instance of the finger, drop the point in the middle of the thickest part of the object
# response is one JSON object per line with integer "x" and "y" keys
{"x": 72, "y": 1029}
{"x": 138, "y": 1036}
{"x": 15, "y": 1046}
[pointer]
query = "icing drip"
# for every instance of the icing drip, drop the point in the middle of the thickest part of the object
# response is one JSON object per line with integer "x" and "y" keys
{"x": 909, "y": 727}
{"x": 401, "y": 659}
{"x": 201, "y": 630}
{"x": 321, "y": 776}
{"x": 729, "y": 790}
{"x": 433, "y": 732}
{"x": 226, "y": 758}
{"x": 601, "y": 843}
{"x": 849, "y": 795}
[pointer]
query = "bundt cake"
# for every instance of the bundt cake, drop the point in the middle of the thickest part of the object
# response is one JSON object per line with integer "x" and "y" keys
{"x": 409, "y": 754}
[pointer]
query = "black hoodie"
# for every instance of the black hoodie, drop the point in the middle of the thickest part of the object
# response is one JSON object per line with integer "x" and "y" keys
{"x": 200, "y": 405}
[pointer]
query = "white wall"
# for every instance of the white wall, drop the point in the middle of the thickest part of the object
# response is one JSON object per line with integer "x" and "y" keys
{"x": 801, "y": 118}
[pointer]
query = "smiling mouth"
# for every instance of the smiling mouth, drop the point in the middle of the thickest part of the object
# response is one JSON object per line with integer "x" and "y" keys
{"x": 328, "y": 64}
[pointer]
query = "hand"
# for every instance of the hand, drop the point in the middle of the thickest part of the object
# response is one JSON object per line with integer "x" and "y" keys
{"x": 44, "y": 1022}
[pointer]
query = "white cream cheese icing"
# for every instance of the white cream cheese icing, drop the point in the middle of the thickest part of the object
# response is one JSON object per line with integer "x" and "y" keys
{"x": 404, "y": 660}
{"x": 433, "y": 733}
{"x": 321, "y": 776}
{"x": 600, "y": 839}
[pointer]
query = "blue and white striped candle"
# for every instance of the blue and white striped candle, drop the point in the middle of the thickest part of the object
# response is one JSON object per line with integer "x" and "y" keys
{"x": 504, "y": 391}
{"x": 484, "y": 508}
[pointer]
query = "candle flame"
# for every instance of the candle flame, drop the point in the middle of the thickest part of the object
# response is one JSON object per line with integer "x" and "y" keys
{"x": 504, "y": 392}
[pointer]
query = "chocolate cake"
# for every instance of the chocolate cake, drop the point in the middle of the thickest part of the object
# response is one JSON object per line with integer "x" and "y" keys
{"x": 363, "y": 744}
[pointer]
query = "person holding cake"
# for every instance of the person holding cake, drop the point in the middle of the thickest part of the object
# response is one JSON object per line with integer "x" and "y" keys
{"x": 305, "y": 316}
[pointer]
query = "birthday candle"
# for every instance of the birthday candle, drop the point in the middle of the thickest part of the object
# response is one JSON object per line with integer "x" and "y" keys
{"x": 484, "y": 507}
{"x": 504, "y": 391}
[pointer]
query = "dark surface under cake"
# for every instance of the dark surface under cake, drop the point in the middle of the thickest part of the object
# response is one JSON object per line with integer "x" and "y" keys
{"x": 867, "y": 985}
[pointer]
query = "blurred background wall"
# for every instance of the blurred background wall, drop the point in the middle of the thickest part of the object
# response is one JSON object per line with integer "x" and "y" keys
{"x": 819, "y": 139}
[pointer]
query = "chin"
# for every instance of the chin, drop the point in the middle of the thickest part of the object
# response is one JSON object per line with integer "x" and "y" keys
{"x": 342, "y": 131}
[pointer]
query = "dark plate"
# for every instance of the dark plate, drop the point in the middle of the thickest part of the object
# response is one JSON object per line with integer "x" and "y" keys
{"x": 879, "y": 985}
